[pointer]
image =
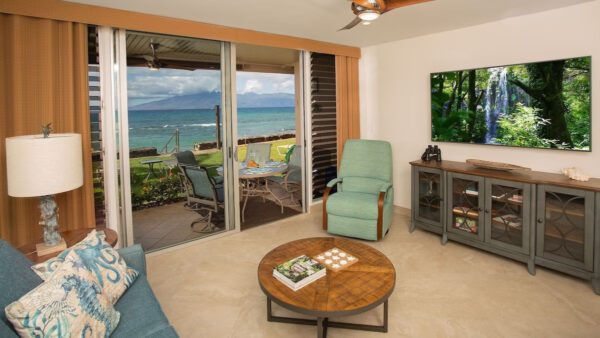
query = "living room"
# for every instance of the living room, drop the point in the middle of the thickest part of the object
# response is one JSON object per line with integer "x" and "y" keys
{"x": 494, "y": 232}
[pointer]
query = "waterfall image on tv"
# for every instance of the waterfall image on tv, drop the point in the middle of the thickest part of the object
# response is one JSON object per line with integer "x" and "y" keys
{"x": 539, "y": 105}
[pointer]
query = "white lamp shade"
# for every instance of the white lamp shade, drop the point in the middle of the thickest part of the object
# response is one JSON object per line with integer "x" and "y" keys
{"x": 38, "y": 166}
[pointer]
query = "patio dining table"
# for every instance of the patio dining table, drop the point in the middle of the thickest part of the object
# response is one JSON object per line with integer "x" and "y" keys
{"x": 253, "y": 179}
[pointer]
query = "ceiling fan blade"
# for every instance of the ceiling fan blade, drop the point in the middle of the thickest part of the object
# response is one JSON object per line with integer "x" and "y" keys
{"x": 352, "y": 23}
{"x": 136, "y": 60}
{"x": 393, "y": 4}
{"x": 175, "y": 66}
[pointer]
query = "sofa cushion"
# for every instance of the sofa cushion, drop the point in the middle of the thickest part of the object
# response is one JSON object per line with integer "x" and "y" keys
{"x": 353, "y": 204}
{"x": 70, "y": 303}
{"x": 101, "y": 259}
{"x": 16, "y": 279}
{"x": 140, "y": 311}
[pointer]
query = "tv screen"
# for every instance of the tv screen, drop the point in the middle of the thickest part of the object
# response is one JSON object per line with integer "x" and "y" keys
{"x": 538, "y": 105}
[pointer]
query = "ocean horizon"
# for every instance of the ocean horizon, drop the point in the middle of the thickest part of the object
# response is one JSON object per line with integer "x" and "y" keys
{"x": 154, "y": 128}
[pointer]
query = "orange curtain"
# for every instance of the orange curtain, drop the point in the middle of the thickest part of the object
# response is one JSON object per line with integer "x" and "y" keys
{"x": 43, "y": 79}
{"x": 347, "y": 103}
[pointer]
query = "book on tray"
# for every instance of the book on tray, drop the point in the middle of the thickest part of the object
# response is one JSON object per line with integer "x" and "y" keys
{"x": 299, "y": 272}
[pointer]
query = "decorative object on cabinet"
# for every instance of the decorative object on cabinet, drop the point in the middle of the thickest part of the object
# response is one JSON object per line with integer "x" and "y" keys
{"x": 575, "y": 173}
{"x": 432, "y": 153}
{"x": 538, "y": 218}
{"x": 494, "y": 165}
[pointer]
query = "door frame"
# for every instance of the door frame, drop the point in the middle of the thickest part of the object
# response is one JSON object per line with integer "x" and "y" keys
{"x": 115, "y": 133}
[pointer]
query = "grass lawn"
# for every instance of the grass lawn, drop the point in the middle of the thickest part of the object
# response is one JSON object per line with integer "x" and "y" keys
{"x": 213, "y": 160}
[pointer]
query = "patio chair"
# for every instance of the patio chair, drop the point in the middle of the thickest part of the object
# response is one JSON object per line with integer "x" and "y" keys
{"x": 204, "y": 196}
{"x": 187, "y": 158}
{"x": 291, "y": 181}
{"x": 362, "y": 207}
{"x": 259, "y": 152}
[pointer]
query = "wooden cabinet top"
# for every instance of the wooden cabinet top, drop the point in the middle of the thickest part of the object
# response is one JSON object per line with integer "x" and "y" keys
{"x": 525, "y": 176}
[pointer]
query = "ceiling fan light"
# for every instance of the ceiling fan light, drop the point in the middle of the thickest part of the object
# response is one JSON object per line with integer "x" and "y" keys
{"x": 368, "y": 15}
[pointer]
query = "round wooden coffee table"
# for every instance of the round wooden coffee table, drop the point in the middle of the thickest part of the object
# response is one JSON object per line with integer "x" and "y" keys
{"x": 358, "y": 288}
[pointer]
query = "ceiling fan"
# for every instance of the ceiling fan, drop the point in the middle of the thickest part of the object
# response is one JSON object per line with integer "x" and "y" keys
{"x": 153, "y": 62}
{"x": 368, "y": 10}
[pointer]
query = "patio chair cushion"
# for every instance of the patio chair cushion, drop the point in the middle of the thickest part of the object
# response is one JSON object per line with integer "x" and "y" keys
{"x": 186, "y": 158}
{"x": 260, "y": 151}
{"x": 201, "y": 183}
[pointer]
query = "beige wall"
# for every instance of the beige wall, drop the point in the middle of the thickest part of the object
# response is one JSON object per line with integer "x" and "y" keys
{"x": 394, "y": 85}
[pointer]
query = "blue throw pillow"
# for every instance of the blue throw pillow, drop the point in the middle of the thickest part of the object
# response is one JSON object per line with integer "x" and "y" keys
{"x": 99, "y": 258}
{"x": 69, "y": 304}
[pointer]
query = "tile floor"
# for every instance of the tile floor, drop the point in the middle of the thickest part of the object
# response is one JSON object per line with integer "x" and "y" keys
{"x": 168, "y": 225}
{"x": 210, "y": 289}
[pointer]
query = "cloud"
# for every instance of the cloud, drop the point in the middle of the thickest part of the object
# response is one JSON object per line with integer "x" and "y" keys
{"x": 286, "y": 86}
{"x": 144, "y": 85}
{"x": 263, "y": 83}
{"x": 252, "y": 86}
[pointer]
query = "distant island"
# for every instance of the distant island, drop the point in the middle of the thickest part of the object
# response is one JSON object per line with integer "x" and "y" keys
{"x": 208, "y": 100}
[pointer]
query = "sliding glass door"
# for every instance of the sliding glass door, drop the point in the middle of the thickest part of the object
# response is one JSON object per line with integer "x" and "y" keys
{"x": 270, "y": 134}
{"x": 175, "y": 168}
{"x": 170, "y": 135}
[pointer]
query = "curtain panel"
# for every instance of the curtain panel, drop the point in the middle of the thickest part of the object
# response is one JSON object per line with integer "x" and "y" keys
{"x": 43, "y": 79}
{"x": 347, "y": 103}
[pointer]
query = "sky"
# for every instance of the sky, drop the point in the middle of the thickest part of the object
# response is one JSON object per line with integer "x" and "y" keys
{"x": 145, "y": 85}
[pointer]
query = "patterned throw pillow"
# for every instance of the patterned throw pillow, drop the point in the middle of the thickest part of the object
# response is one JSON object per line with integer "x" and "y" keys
{"x": 101, "y": 259}
{"x": 69, "y": 304}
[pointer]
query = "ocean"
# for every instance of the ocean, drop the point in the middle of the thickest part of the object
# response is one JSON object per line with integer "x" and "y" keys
{"x": 153, "y": 128}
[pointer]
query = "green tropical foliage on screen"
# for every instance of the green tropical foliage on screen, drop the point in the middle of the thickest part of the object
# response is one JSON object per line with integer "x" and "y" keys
{"x": 544, "y": 105}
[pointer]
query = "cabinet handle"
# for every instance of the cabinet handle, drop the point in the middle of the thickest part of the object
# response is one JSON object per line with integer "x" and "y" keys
{"x": 487, "y": 211}
{"x": 540, "y": 220}
{"x": 480, "y": 209}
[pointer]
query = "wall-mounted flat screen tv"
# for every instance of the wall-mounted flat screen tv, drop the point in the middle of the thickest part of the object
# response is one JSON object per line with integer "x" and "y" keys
{"x": 535, "y": 105}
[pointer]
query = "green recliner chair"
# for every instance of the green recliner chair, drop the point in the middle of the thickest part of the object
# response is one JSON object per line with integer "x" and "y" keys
{"x": 362, "y": 207}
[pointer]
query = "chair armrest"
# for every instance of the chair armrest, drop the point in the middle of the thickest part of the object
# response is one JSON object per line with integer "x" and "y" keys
{"x": 134, "y": 257}
{"x": 385, "y": 187}
{"x": 334, "y": 182}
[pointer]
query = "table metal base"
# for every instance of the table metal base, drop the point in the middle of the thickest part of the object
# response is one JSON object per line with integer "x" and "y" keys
{"x": 323, "y": 323}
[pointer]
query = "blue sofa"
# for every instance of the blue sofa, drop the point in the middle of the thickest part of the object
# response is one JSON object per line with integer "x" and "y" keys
{"x": 141, "y": 315}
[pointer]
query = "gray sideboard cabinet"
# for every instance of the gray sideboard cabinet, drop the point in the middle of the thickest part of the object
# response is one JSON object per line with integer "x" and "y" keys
{"x": 533, "y": 217}
{"x": 428, "y": 204}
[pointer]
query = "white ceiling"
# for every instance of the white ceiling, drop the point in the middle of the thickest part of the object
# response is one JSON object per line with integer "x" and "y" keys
{"x": 320, "y": 19}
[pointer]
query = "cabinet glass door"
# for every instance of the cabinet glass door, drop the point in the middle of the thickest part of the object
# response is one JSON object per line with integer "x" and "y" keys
{"x": 507, "y": 214}
{"x": 465, "y": 214}
{"x": 429, "y": 192}
{"x": 565, "y": 226}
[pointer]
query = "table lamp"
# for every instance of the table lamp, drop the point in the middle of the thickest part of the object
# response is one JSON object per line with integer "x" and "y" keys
{"x": 42, "y": 166}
